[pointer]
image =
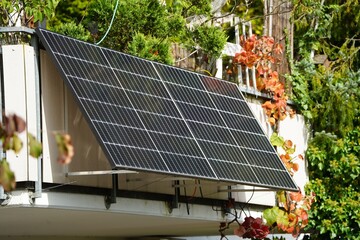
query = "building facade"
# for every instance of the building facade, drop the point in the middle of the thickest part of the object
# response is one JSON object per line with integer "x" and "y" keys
{"x": 88, "y": 199}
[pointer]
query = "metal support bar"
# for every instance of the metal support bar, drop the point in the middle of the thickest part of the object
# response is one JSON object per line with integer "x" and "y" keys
{"x": 200, "y": 184}
{"x": 248, "y": 190}
{"x": 113, "y": 194}
{"x": 105, "y": 172}
{"x": 17, "y": 29}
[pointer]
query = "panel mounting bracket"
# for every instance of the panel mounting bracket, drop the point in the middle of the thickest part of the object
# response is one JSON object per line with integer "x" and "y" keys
{"x": 175, "y": 201}
{"x": 111, "y": 198}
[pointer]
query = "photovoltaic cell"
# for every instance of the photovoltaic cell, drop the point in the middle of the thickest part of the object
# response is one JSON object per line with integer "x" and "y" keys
{"x": 152, "y": 117}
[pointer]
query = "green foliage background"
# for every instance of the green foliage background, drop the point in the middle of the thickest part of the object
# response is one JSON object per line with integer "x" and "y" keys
{"x": 143, "y": 26}
{"x": 329, "y": 97}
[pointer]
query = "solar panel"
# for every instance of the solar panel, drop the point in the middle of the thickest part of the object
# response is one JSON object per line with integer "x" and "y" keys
{"x": 152, "y": 117}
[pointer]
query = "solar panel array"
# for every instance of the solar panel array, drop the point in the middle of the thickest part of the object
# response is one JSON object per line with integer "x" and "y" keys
{"x": 152, "y": 117}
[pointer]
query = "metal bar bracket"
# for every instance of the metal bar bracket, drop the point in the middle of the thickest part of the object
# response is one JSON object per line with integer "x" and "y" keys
{"x": 110, "y": 199}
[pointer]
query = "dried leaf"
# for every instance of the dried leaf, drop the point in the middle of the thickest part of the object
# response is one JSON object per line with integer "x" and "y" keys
{"x": 288, "y": 143}
{"x": 272, "y": 121}
{"x": 295, "y": 167}
{"x": 12, "y": 124}
{"x": 65, "y": 148}
{"x": 296, "y": 196}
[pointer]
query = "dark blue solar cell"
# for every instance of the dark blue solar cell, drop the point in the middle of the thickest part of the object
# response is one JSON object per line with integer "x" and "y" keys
{"x": 152, "y": 117}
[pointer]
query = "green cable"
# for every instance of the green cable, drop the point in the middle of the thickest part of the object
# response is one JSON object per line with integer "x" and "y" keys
{"x": 111, "y": 23}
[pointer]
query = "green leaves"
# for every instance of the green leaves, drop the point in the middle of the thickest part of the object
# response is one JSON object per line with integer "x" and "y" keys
{"x": 73, "y": 30}
{"x": 151, "y": 48}
{"x": 335, "y": 172}
{"x": 40, "y": 9}
{"x": 7, "y": 177}
{"x": 35, "y": 147}
{"x": 16, "y": 144}
{"x": 277, "y": 140}
{"x": 271, "y": 215}
{"x": 210, "y": 39}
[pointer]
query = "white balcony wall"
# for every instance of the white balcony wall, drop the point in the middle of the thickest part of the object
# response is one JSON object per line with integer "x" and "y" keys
{"x": 20, "y": 99}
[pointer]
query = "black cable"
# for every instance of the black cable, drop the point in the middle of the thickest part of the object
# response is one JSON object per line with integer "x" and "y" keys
{"x": 247, "y": 203}
{"x": 200, "y": 188}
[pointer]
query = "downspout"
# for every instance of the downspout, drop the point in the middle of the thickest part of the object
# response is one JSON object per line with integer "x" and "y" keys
{"x": 3, "y": 196}
{"x": 271, "y": 5}
{"x": 35, "y": 45}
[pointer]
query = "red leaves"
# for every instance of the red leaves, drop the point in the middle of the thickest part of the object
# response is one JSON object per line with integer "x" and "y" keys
{"x": 289, "y": 149}
{"x": 291, "y": 166}
{"x": 291, "y": 217}
{"x": 259, "y": 52}
{"x": 12, "y": 124}
{"x": 249, "y": 59}
{"x": 249, "y": 43}
{"x": 256, "y": 52}
{"x": 296, "y": 196}
{"x": 252, "y": 228}
{"x": 278, "y": 49}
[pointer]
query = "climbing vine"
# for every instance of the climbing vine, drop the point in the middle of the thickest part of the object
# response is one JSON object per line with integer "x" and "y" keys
{"x": 291, "y": 213}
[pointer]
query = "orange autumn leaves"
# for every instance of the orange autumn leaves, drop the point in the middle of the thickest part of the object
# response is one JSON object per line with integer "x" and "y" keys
{"x": 260, "y": 53}
{"x": 10, "y": 130}
{"x": 288, "y": 150}
{"x": 292, "y": 214}
{"x": 296, "y": 205}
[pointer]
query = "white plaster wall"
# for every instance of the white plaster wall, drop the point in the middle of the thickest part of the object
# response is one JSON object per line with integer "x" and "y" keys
{"x": 295, "y": 129}
{"x": 60, "y": 113}
{"x": 53, "y": 118}
{"x": 88, "y": 153}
